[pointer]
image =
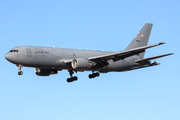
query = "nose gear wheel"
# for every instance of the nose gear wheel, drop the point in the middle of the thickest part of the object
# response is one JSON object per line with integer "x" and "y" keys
{"x": 19, "y": 68}
{"x": 20, "y": 73}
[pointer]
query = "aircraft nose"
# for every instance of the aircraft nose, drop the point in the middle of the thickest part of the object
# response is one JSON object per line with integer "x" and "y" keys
{"x": 7, "y": 56}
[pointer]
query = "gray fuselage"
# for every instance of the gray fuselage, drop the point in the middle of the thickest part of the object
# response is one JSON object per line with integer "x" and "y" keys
{"x": 51, "y": 58}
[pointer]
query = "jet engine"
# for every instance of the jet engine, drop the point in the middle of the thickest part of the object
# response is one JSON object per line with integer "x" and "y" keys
{"x": 81, "y": 63}
{"x": 45, "y": 72}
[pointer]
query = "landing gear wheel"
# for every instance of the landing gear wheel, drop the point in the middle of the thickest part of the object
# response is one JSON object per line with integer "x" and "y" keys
{"x": 72, "y": 79}
{"x": 97, "y": 74}
{"x": 20, "y": 73}
{"x": 94, "y": 75}
{"x": 75, "y": 78}
{"x": 90, "y": 76}
{"x": 68, "y": 80}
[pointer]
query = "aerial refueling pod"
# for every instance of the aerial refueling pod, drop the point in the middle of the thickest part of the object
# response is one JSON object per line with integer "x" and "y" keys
{"x": 81, "y": 63}
{"x": 45, "y": 72}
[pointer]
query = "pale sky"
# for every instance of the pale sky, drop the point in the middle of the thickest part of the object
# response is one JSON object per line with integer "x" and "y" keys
{"x": 146, "y": 94}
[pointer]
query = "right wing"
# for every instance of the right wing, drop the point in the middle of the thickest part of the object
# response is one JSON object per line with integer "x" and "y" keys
{"x": 151, "y": 58}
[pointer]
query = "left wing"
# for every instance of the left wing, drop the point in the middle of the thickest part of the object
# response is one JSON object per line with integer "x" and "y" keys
{"x": 123, "y": 54}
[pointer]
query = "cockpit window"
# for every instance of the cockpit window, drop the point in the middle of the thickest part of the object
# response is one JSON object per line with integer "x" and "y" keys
{"x": 13, "y": 51}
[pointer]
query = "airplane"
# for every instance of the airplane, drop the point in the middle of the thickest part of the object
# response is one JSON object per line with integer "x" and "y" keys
{"x": 49, "y": 60}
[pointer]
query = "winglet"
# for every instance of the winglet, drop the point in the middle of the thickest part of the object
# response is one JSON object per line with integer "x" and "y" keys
{"x": 161, "y": 43}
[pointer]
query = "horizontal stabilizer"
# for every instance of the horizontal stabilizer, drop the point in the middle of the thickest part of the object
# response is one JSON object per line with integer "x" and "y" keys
{"x": 151, "y": 58}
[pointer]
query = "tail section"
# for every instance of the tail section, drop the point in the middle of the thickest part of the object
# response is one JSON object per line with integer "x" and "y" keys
{"x": 141, "y": 38}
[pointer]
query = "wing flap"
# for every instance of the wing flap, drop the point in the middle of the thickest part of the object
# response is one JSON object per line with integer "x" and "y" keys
{"x": 123, "y": 54}
{"x": 151, "y": 58}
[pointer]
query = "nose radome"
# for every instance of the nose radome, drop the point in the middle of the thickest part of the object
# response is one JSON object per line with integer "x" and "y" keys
{"x": 7, "y": 56}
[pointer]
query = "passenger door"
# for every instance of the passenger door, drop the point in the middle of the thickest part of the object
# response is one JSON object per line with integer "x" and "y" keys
{"x": 28, "y": 52}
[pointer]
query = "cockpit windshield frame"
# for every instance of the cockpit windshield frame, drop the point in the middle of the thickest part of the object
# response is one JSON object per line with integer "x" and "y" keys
{"x": 13, "y": 51}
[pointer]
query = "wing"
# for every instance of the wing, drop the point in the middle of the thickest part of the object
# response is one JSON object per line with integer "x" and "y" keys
{"x": 151, "y": 58}
{"x": 123, "y": 54}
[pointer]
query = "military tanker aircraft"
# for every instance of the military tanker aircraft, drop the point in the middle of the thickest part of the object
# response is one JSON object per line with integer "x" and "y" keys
{"x": 49, "y": 60}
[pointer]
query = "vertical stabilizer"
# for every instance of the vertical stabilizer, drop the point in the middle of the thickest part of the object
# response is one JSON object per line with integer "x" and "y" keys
{"x": 141, "y": 38}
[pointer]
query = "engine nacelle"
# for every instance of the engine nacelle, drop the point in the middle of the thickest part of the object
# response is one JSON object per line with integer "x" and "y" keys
{"x": 45, "y": 72}
{"x": 81, "y": 63}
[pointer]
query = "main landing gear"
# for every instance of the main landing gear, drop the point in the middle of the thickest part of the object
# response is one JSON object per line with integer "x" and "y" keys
{"x": 19, "y": 68}
{"x": 75, "y": 78}
{"x": 71, "y": 79}
{"x": 93, "y": 75}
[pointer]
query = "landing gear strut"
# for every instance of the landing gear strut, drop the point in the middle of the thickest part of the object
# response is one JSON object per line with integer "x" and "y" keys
{"x": 71, "y": 79}
{"x": 19, "y": 68}
{"x": 93, "y": 75}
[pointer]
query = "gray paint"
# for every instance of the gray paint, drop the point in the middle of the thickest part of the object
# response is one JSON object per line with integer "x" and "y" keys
{"x": 141, "y": 38}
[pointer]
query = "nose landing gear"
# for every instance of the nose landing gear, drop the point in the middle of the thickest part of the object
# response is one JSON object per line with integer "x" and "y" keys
{"x": 19, "y": 68}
